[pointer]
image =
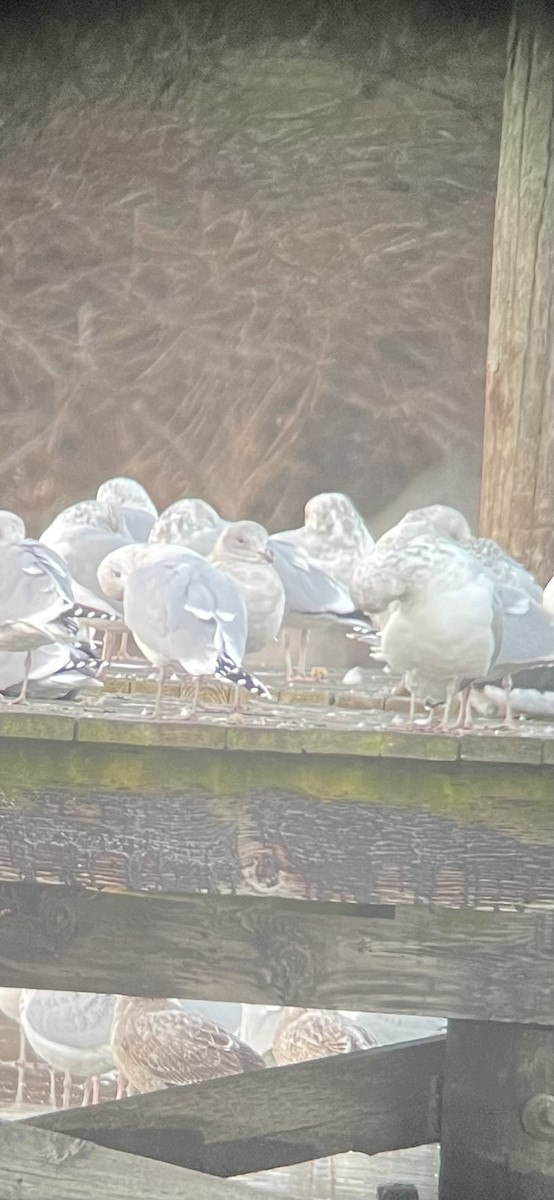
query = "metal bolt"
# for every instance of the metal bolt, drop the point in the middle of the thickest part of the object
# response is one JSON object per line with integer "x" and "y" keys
{"x": 537, "y": 1116}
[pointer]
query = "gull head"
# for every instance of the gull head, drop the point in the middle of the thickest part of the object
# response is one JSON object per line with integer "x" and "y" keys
{"x": 329, "y": 512}
{"x": 245, "y": 540}
{"x": 124, "y": 492}
{"x": 12, "y": 528}
{"x": 183, "y": 518}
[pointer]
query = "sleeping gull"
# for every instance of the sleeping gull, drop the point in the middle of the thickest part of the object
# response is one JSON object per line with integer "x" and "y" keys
{"x": 302, "y": 1034}
{"x": 93, "y": 513}
{"x": 243, "y": 552}
{"x": 71, "y": 1032}
{"x": 334, "y": 535}
{"x": 57, "y": 671}
{"x": 83, "y": 535}
{"x": 439, "y": 520}
{"x": 548, "y": 596}
{"x": 156, "y": 1043}
{"x": 312, "y": 597}
{"x": 36, "y": 601}
{"x": 9, "y": 1004}
{"x": 192, "y": 523}
{"x": 132, "y": 501}
{"x": 12, "y": 528}
{"x": 181, "y": 610}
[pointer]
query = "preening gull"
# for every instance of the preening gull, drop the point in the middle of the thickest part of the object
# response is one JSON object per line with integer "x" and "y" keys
{"x": 156, "y": 1043}
{"x": 71, "y": 1032}
{"x": 135, "y": 506}
{"x": 181, "y": 610}
{"x": 243, "y": 552}
{"x": 190, "y": 522}
{"x": 334, "y": 535}
{"x": 445, "y": 626}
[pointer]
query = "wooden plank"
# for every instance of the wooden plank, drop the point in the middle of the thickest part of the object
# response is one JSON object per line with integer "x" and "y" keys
{"x": 517, "y": 485}
{"x": 497, "y": 1136}
{"x": 490, "y": 748}
{"x": 368, "y": 830}
{"x": 126, "y": 726}
{"x": 151, "y": 733}
{"x": 371, "y": 1101}
{"x": 260, "y": 950}
{"x": 39, "y": 1164}
{"x": 17, "y": 723}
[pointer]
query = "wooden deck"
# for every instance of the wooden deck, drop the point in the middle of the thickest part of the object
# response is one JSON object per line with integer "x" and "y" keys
{"x": 306, "y": 851}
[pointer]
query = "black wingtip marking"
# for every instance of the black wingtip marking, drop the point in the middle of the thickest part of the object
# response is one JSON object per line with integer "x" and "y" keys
{"x": 228, "y": 670}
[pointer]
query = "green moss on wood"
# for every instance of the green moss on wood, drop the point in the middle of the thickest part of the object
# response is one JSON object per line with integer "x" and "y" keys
{"x": 465, "y": 921}
{"x": 485, "y": 748}
{"x": 408, "y": 745}
{"x": 516, "y": 800}
{"x": 151, "y": 733}
{"x": 306, "y": 697}
{"x": 18, "y": 723}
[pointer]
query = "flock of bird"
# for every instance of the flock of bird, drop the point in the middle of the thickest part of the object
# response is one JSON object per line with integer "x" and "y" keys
{"x": 444, "y": 609}
{"x": 155, "y": 1043}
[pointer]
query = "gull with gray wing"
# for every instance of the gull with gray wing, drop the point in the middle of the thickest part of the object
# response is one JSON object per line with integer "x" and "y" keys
{"x": 183, "y": 611}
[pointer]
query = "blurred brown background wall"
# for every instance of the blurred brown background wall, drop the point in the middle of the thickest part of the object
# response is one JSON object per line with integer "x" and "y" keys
{"x": 245, "y": 252}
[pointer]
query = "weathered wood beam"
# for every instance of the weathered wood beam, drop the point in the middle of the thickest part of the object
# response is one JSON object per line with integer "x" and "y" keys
{"x": 39, "y": 1164}
{"x": 264, "y": 950}
{"x": 279, "y": 814}
{"x": 372, "y": 1101}
{"x": 497, "y": 1136}
{"x": 517, "y": 500}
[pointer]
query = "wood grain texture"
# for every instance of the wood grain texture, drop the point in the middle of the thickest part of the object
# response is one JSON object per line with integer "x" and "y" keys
{"x": 492, "y": 1075}
{"x": 494, "y": 966}
{"x": 39, "y": 1164}
{"x": 299, "y": 825}
{"x": 370, "y": 1101}
{"x": 517, "y": 498}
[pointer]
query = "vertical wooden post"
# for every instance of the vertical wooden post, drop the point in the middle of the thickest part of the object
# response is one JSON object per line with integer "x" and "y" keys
{"x": 517, "y": 502}
{"x": 497, "y": 1127}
